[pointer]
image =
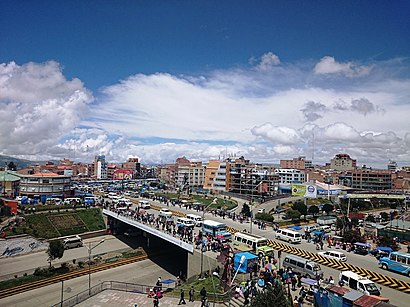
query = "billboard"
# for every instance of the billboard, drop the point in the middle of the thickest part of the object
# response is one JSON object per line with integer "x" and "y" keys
{"x": 311, "y": 191}
{"x": 298, "y": 189}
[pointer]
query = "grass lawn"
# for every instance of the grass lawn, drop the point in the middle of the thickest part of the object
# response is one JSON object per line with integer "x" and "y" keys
{"x": 198, "y": 284}
{"x": 55, "y": 224}
{"x": 206, "y": 200}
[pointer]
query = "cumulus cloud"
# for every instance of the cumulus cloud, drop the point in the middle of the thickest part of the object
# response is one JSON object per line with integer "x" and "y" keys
{"x": 38, "y": 105}
{"x": 263, "y": 114}
{"x": 267, "y": 61}
{"x": 328, "y": 65}
{"x": 313, "y": 110}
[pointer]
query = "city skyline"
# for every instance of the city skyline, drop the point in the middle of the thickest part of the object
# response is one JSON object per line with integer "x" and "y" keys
{"x": 160, "y": 80}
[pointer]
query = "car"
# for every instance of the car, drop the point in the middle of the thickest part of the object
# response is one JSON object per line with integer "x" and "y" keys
{"x": 164, "y": 211}
{"x": 261, "y": 210}
{"x": 334, "y": 255}
{"x": 144, "y": 204}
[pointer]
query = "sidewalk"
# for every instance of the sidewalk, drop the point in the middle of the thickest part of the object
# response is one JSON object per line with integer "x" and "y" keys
{"x": 119, "y": 298}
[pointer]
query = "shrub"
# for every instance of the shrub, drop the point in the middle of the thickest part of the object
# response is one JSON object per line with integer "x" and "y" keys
{"x": 264, "y": 217}
{"x": 81, "y": 264}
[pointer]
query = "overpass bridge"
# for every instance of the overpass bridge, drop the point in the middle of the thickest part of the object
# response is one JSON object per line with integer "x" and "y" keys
{"x": 186, "y": 260}
{"x": 152, "y": 231}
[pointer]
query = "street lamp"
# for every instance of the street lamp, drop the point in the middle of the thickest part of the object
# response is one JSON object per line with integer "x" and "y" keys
{"x": 202, "y": 247}
{"x": 89, "y": 248}
{"x": 242, "y": 261}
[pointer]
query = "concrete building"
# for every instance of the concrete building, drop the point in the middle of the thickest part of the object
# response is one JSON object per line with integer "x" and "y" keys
{"x": 9, "y": 184}
{"x": 369, "y": 179}
{"x": 290, "y": 175}
{"x": 342, "y": 162}
{"x": 100, "y": 167}
{"x": 297, "y": 163}
{"x": 134, "y": 165}
{"x": 211, "y": 168}
{"x": 42, "y": 185}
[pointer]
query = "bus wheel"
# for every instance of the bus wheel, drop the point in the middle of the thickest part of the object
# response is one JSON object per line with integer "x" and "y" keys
{"x": 384, "y": 266}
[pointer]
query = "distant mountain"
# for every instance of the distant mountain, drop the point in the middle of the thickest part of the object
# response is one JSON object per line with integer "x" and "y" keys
{"x": 20, "y": 163}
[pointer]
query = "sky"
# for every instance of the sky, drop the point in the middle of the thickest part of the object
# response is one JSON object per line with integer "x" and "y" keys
{"x": 267, "y": 80}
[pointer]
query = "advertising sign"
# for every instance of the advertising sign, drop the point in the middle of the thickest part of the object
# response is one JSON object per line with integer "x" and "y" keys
{"x": 311, "y": 191}
{"x": 298, "y": 190}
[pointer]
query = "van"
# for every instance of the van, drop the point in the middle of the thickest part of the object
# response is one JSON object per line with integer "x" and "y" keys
{"x": 359, "y": 283}
{"x": 310, "y": 228}
{"x": 185, "y": 222}
{"x": 165, "y": 215}
{"x": 303, "y": 266}
{"x": 72, "y": 242}
{"x": 324, "y": 228}
{"x": 144, "y": 204}
{"x": 196, "y": 219}
{"x": 334, "y": 255}
{"x": 288, "y": 235}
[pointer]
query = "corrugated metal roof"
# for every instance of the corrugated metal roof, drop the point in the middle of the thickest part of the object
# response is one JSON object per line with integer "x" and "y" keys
{"x": 352, "y": 295}
{"x": 366, "y": 301}
{"x": 8, "y": 176}
{"x": 339, "y": 290}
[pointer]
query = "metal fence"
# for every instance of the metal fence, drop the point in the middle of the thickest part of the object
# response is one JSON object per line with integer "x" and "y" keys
{"x": 106, "y": 285}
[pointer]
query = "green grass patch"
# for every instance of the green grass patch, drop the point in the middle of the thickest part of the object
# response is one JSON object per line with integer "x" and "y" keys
{"x": 92, "y": 218}
{"x": 55, "y": 224}
{"x": 132, "y": 254}
{"x": 6, "y": 284}
{"x": 198, "y": 284}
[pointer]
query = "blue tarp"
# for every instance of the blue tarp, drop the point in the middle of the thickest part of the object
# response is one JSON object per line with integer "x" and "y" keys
{"x": 295, "y": 227}
{"x": 384, "y": 249}
{"x": 244, "y": 267}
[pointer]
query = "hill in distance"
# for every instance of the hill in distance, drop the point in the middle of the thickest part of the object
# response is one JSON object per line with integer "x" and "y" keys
{"x": 20, "y": 163}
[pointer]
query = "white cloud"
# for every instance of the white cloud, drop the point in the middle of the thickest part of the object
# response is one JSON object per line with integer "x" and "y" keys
{"x": 38, "y": 106}
{"x": 264, "y": 115}
{"x": 268, "y": 60}
{"x": 328, "y": 65}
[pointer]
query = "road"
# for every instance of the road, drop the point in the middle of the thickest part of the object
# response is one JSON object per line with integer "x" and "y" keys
{"x": 368, "y": 261}
{"x": 10, "y": 266}
{"x": 144, "y": 272}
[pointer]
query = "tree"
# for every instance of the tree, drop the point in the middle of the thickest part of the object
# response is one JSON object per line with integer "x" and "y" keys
{"x": 293, "y": 214}
{"x": 313, "y": 210}
{"x": 246, "y": 210}
{"x": 264, "y": 217}
{"x": 385, "y": 216}
{"x": 55, "y": 250}
{"x": 11, "y": 166}
{"x": 355, "y": 221}
{"x": 387, "y": 241}
{"x": 370, "y": 218}
{"x": 271, "y": 296}
{"x": 353, "y": 236}
{"x": 300, "y": 206}
{"x": 328, "y": 208}
{"x": 339, "y": 224}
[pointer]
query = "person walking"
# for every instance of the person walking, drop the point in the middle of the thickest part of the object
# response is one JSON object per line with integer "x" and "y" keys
{"x": 182, "y": 298}
{"x": 191, "y": 294}
{"x": 203, "y": 294}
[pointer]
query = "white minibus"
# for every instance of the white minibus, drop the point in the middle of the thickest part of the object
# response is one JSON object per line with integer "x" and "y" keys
{"x": 288, "y": 235}
{"x": 72, "y": 242}
{"x": 196, "y": 219}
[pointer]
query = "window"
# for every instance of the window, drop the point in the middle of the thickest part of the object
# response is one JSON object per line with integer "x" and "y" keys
{"x": 353, "y": 283}
{"x": 301, "y": 265}
{"x": 308, "y": 267}
{"x": 292, "y": 261}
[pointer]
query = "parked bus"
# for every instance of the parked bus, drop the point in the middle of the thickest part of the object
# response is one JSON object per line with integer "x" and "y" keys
{"x": 215, "y": 229}
{"x": 252, "y": 243}
{"x": 396, "y": 261}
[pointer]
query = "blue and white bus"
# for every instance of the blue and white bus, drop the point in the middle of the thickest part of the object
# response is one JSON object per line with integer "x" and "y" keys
{"x": 396, "y": 261}
{"x": 216, "y": 230}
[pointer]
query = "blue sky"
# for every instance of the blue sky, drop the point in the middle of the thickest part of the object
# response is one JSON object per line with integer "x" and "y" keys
{"x": 145, "y": 78}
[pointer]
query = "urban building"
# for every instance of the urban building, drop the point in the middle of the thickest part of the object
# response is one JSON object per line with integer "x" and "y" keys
{"x": 392, "y": 166}
{"x": 370, "y": 179}
{"x": 211, "y": 168}
{"x": 342, "y": 162}
{"x": 287, "y": 175}
{"x": 45, "y": 184}
{"x": 166, "y": 174}
{"x": 100, "y": 167}
{"x": 10, "y": 183}
{"x": 134, "y": 165}
{"x": 297, "y": 163}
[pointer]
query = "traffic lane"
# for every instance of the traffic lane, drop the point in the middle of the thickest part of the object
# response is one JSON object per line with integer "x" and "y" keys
{"x": 397, "y": 298}
{"x": 369, "y": 262}
{"x": 31, "y": 261}
{"x": 364, "y": 261}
